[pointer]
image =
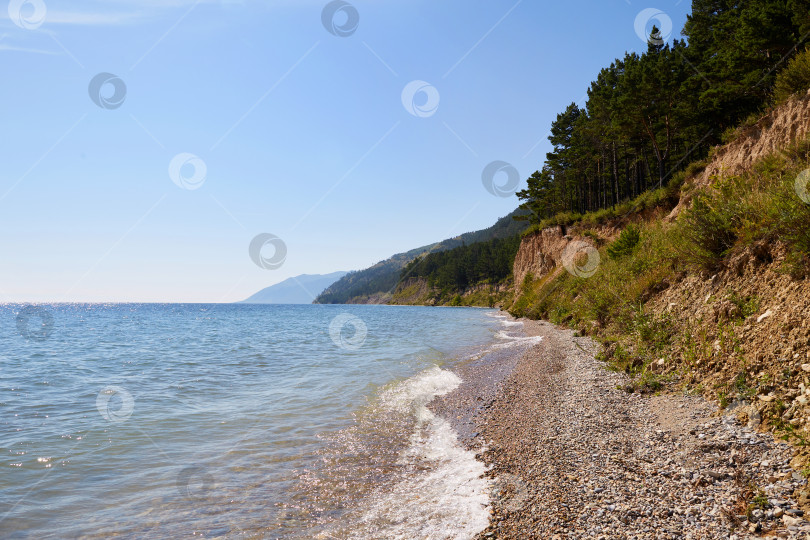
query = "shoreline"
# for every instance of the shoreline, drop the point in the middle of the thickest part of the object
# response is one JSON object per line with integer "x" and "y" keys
{"x": 571, "y": 454}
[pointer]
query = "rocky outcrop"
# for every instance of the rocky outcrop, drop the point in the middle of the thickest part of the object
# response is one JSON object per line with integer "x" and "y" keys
{"x": 375, "y": 299}
{"x": 413, "y": 292}
{"x": 417, "y": 292}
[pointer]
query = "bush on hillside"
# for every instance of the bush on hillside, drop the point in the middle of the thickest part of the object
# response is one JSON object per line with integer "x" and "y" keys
{"x": 707, "y": 231}
{"x": 794, "y": 78}
{"x": 625, "y": 243}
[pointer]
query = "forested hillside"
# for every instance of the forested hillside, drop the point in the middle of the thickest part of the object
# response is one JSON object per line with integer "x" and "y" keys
{"x": 378, "y": 283}
{"x": 647, "y": 116}
{"x": 465, "y": 266}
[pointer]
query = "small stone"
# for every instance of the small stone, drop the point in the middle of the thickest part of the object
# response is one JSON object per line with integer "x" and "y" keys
{"x": 764, "y": 316}
{"x": 790, "y": 521}
{"x": 806, "y": 367}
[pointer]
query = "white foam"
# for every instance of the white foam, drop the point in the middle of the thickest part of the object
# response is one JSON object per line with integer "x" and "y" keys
{"x": 512, "y": 323}
{"x": 514, "y": 341}
{"x": 415, "y": 393}
{"x": 501, "y": 334}
{"x": 448, "y": 497}
{"x": 449, "y": 500}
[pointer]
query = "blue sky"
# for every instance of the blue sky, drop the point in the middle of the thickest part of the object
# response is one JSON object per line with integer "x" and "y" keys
{"x": 284, "y": 129}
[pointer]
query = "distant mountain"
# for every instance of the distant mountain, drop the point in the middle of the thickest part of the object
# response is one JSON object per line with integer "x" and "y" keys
{"x": 376, "y": 285}
{"x": 295, "y": 290}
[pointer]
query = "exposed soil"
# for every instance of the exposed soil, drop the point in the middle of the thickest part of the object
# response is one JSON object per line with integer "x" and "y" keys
{"x": 764, "y": 347}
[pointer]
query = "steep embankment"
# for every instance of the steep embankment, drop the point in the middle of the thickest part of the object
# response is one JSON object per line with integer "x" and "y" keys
{"x": 715, "y": 299}
{"x": 544, "y": 251}
{"x": 773, "y": 133}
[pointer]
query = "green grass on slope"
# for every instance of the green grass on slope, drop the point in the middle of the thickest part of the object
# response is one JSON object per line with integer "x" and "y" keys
{"x": 771, "y": 202}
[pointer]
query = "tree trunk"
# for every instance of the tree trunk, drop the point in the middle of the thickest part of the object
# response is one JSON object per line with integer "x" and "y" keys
{"x": 615, "y": 178}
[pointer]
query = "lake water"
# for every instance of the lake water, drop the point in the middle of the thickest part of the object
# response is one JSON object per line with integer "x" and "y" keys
{"x": 146, "y": 420}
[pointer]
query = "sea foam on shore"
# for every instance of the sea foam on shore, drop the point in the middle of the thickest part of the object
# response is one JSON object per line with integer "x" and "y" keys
{"x": 407, "y": 468}
{"x": 448, "y": 497}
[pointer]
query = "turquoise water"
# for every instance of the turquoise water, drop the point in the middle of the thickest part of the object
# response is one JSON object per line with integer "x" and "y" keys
{"x": 232, "y": 420}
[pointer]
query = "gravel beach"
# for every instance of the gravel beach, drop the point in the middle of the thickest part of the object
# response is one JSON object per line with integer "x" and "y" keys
{"x": 573, "y": 455}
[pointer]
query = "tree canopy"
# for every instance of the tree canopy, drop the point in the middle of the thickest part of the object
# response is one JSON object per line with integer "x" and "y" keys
{"x": 648, "y": 115}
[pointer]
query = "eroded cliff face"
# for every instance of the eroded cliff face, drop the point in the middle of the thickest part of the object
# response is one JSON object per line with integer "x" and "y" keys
{"x": 740, "y": 335}
{"x": 774, "y": 132}
{"x": 542, "y": 252}
{"x": 539, "y": 253}
{"x": 417, "y": 292}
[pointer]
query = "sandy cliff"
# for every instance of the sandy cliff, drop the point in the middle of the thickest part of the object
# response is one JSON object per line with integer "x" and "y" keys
{"x": 542, "y": 252}
{"x": 773, "y": 132}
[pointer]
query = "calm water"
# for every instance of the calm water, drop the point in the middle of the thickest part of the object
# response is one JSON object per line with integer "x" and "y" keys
{"x": 235, "y": 421}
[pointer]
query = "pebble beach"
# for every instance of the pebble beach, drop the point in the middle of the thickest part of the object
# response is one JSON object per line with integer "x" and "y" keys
{"x": 572, "y": 454}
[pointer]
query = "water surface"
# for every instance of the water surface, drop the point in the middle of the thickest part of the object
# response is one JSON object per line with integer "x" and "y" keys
{"x": 235, "y": 421}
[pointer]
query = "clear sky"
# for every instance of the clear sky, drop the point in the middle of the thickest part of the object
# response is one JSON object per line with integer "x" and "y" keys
{"x": 274, "y": 125}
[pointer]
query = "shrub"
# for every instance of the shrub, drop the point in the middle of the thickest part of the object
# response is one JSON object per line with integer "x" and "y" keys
{"x": 654, "y": 332}
{"x": 794, "y": 78}
{"x": 746, "y": 305}
{"x": 626, "y": 243}
{"x": 729, "y": 134}
{"x": 707, "y": 231}
{"x": 695, "y": 168}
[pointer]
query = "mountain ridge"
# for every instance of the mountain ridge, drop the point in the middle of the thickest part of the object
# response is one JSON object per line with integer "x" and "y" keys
{"x": 295, "y": 290}
{"x": 377, "y": 283}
